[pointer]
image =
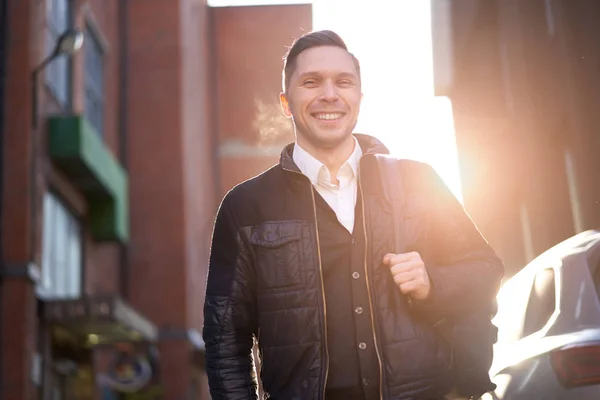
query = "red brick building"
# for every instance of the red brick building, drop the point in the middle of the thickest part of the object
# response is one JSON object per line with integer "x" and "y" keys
{"x": 112, "y": 164}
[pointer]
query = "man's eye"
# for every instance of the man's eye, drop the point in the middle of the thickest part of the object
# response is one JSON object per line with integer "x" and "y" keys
{"x": 346, "y": 82}
{"x": 310, "y": 82}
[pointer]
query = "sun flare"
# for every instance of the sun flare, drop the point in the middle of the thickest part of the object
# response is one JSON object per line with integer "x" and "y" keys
{"x": 393, "y": 42}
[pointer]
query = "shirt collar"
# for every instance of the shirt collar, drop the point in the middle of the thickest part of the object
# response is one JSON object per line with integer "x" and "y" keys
{"x": 316, "y": 171}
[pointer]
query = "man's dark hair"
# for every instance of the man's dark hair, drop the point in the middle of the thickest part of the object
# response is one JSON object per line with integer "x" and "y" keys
{"x": 308, "y": 41}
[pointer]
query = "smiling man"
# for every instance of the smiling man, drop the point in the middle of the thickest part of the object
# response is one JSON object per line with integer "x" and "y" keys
{"x": 305, "y": 260}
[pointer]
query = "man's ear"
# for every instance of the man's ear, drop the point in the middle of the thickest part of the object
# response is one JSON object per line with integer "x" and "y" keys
{"x": 285, "y": 105}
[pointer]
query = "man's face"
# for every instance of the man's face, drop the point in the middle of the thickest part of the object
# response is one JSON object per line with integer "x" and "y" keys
{"x": 323, "y": 96}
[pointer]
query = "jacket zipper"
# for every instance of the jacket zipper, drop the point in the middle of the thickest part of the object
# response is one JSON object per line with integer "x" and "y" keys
{"x": 326, "y": 348}
{"x": 362, "y": 203}
{"x": 312, "y": 192}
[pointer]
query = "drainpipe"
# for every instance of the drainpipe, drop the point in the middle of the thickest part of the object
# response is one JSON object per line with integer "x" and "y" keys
{"x": 3, "y": 62}
{"x": 123, "y": 41}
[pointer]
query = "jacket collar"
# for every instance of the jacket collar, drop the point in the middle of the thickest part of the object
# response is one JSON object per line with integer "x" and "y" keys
{"x": 368, "y": 145}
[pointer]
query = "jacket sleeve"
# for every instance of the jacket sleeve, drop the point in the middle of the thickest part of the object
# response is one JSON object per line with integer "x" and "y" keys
{"x": 464, "y": 270}
{"x": 230, "y": 313}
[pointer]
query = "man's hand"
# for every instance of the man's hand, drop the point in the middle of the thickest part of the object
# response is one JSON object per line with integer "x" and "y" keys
{"x": 410, "y": 274}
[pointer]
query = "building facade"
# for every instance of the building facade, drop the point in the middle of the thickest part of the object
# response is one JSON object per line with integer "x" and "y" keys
{"x": 113, "y": 162}
{"x": 523, "y": 80}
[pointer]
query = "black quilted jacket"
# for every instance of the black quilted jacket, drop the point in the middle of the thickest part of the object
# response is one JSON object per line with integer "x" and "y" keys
{"x": 265, "y": 282}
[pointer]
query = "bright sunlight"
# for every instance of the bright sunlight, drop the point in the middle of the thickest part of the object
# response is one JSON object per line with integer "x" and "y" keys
{"x": 393, "y": 42}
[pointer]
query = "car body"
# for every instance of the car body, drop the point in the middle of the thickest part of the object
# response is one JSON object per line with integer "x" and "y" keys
{"x": 549, "y": 326}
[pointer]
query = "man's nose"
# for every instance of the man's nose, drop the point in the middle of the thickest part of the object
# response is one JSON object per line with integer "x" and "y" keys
{"x": 330, "y": 92}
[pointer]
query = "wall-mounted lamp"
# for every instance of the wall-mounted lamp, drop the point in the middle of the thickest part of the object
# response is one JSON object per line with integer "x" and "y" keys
{"x": 68, "y": 43}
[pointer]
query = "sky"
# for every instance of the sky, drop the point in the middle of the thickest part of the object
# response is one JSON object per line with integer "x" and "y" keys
{"x": 392, "y": 40}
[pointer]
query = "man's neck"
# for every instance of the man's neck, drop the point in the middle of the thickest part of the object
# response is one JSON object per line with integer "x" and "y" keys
{"x": 332, "y": 158}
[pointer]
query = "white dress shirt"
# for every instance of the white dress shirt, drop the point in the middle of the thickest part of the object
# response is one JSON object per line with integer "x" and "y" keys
{"x": 341, "y": 198}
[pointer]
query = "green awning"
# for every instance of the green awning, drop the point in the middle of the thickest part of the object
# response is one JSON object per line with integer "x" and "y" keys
{"x": 79, "y": 152}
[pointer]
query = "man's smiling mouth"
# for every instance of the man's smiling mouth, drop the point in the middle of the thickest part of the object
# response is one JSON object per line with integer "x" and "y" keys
{"x": 328, "y": 116}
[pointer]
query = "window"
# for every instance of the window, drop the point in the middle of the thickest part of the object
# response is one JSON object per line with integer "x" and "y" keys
{"x": 94, "y": 81}
{"x": 542, "y": 302}
{"x": 593, "y": 260}
{"x": 58, "y": 73}
{"x": 61, "y": 253}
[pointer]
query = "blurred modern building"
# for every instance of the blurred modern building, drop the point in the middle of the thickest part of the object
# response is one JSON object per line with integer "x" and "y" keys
{"x": 112, "y": 164}
{"x": 523, "y": 77}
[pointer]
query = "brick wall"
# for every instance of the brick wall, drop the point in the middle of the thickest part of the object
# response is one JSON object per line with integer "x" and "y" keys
{"x": 250, "y": 43}
{"x": 172, "y": 172}
{"x": 18, "y": 325}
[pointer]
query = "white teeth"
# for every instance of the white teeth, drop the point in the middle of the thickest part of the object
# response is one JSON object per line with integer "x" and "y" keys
{"x": 328, "y": 116}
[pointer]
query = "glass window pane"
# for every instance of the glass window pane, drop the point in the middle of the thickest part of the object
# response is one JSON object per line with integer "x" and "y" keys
{"x": 94, "y": 82}
{"x": 50, "y": 72}
{"x": 47, "y": 244}
{"x": 49, "y": 8}
{"x": 73, "y": 278}
{"x": 57, "y": 15}
{"x": 62, "y": 79}
{"x": 542, "y": 302}
{"x": 58, "y": 72}
{"x": 62, "y": 15}
{"x": 62, "y": 251}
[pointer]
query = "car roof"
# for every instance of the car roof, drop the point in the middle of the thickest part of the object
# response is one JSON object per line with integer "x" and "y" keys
{"x": 585, "y": 242}
{"x": 582, "y": 242}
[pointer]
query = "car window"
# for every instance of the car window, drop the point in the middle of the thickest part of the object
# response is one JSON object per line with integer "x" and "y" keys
{"x": 542, "y": 302}
{"x": 594, "y": 264}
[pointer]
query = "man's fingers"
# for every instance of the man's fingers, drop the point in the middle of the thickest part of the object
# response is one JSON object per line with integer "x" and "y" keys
{"x": 392, "y": 258}
{"x": 409, "y": 287}
{"x": 404, "y": 277}
{"x": 409, "y": 274}
{"x": 387, "y": 258}
{"x": 405, "y": 266}
{"x": 411, "y": 283}
{"x": 407, "y": 282}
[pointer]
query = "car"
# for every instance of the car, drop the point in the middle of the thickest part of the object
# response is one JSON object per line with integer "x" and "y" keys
{"x": 548, "y": 323}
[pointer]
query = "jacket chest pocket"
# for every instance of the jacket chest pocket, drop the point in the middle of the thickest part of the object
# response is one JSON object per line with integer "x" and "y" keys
{"x": 279, "y": 254}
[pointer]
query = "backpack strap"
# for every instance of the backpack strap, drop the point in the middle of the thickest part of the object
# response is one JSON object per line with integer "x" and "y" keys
{"x": 471, "y": 380}
{"x": 393, "y": 191}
